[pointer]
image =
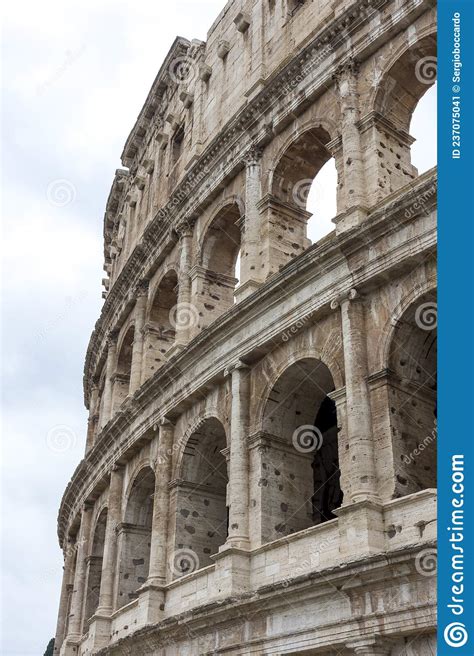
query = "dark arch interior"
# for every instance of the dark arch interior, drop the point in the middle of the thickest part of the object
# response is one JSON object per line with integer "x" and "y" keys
{"x": 300, "y": 472}
{"x": 413, "y": 361}
{"x": 201, "y": 514}
{"x": 94, "y": 566}
{"x": 135, "y": 537}
{"x": 406, "y": 82}
{"x": 219, "y": 259}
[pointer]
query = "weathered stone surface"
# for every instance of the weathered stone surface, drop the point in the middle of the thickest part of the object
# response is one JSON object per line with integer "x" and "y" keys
{"x": 259, "y": 474}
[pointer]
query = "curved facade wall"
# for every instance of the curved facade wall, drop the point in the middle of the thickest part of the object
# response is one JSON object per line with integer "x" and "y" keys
{"x": 260, "y": 469}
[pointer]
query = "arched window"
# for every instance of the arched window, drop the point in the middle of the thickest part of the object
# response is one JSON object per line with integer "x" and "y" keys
{"x": 424, "y": 129}
{"x": 215, "y": 283}
{"x": 399, "y": 91}
{"x": 94, "y": 566}
{"x": 135, "y": 537}
{"x": 413, "y": 353}
{"x": 124, "y": 367}
{"x": 160, "y": 330}
{"x": 299, "y": 470}
{"x": 200, "y": 499}
{"x": 303, "y": 197}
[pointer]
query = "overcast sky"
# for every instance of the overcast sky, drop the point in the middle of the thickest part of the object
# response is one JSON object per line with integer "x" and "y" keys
{"x": 75, "y": 77}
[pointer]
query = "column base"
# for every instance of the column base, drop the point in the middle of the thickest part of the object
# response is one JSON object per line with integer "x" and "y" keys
{"x": 232, "y": 571}
{"x": 361, "y": 528}
{"x": 350, "y": 218}
{"x": 151, "y": 603}
{"x": 70, "y": 646}
{"x": 99, "y": 631}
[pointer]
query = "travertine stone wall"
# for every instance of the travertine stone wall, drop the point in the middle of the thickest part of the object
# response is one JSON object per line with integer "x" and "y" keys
{"x": 259, "y": 474}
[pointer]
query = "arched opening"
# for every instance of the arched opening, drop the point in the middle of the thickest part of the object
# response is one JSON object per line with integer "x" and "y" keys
{"x": 215, "y": 284}
{"x": 413, "y": 361}
{"x": 303, "y": 197}
{"x": 424, "y": 129}
{"x": 399, "y": 92}
{"x": 124, "y": 367}
{"x": 201, "y": 499}
{"x": 322, "y": 202}
{"x": 135, "y": 537}
{"x": 94, "y": 566}
{"x": 300, "y": 476}
{"x": 160, "y": 329}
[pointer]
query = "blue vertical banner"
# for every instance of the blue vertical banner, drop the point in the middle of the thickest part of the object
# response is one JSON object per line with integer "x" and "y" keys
{"x": 456, "y": 327}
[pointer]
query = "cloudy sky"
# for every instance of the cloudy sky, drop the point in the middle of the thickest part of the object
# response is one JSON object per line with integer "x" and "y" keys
{"x": 75, "y": 76}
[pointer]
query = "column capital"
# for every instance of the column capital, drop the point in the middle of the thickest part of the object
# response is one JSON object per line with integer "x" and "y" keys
{"x": 349, "y": 68}
{"x": 166, "y": 422}
{"x": 142, "y": 288}
{"x": 237, "y": 366}
{"x": 345, "y": 297}
{"x": 253, "y": 156}
{"x": 112, "y": 338}
{"x": 185, "y": 229}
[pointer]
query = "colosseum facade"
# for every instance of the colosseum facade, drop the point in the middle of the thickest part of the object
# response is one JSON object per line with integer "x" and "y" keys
{"x": 260, "y": 467}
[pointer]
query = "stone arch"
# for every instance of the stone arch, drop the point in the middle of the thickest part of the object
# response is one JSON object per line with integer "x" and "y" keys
{"x": 412, "y": 386}
{"x": 414, "y": 295}
{"x": 124, "y": 365}
{"x": 399, "y": 87}
{"x": 275, "y": 371}
{"x": 299, "y": 451}
{"x": 320, "y": 124}
{"x": 292, "y": 175}
{"x": 160, "y": 328}
{"x": 200, "y": 497}
{"x": 134, "y": 536}
{"x": 215, "y": 279}
{"x": 94, "y": 564}
{"x": 405, "y": 79}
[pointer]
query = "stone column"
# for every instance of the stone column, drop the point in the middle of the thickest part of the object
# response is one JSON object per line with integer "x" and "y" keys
{"x": 92, "y": 421}
{"x": 250, "y": 264}
{"x": 186, "y": 314}
{"x": 360, "y": 518}
{"x": 354, "y": 207}
{"x": 152, "y": 594}
{"x": 109, "y": 564}
{"x": 137, "y": 351}
{"x": 99, "y": 627}
{"x": 75, "y": 618}
{"x": 61, "y": 625}
{"x": 110, "y": 367}
{"x": 157, "y": 572}
{"x": 359, "y": 417}
{"x": 239, "y": 459}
